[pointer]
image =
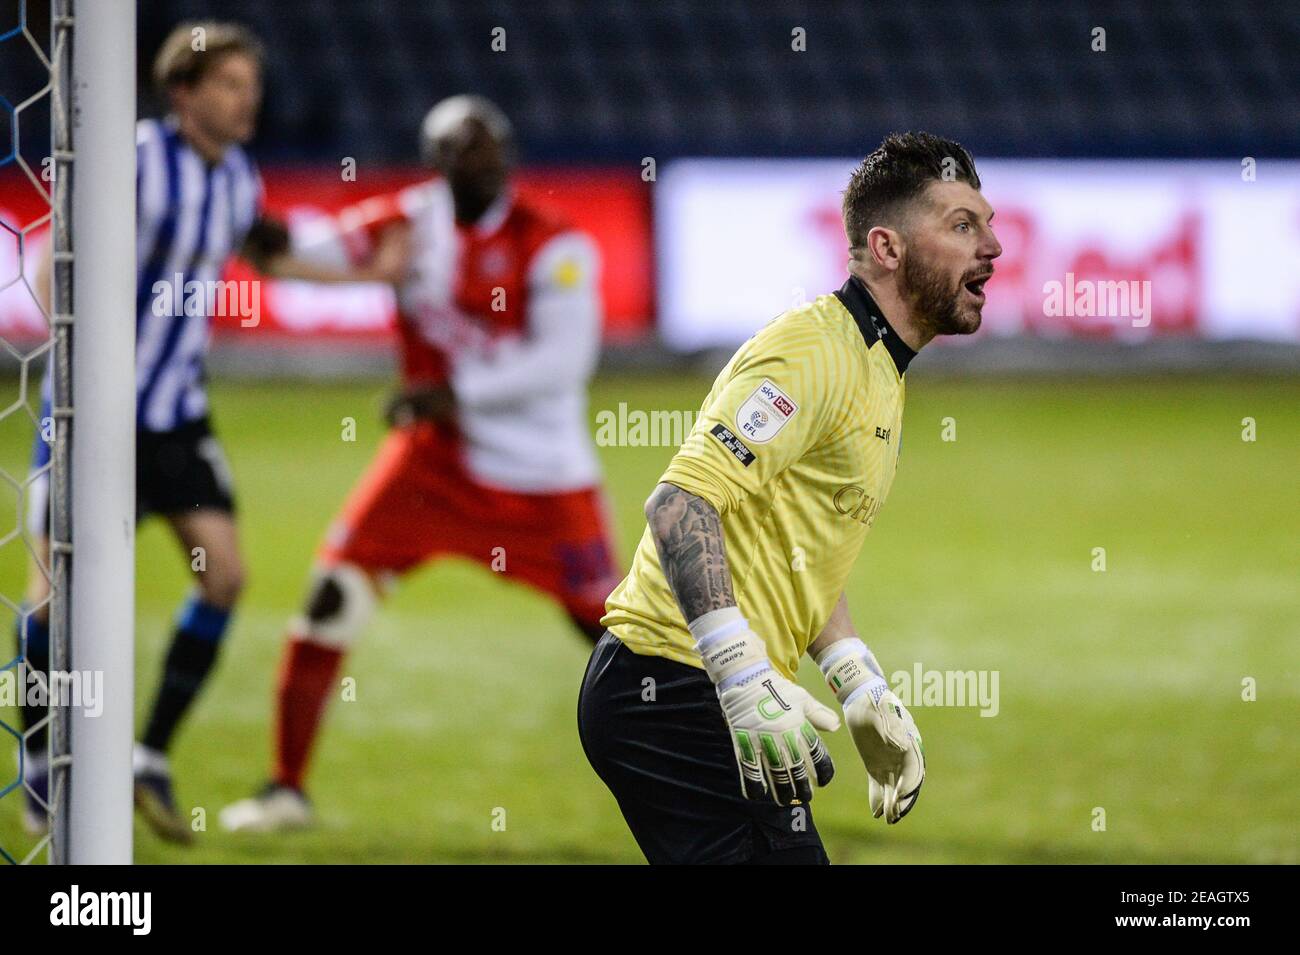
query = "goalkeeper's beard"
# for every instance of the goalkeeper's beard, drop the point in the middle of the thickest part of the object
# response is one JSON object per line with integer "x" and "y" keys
{"x": 935, "y": 301}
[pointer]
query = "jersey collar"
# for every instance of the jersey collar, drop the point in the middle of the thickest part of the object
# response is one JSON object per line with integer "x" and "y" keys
{"x": 172, "y": 126}
{"x": 853, "y": 295}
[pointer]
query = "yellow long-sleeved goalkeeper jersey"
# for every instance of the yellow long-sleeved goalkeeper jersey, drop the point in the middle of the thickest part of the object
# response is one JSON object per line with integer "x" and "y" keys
{"x": 796, "y": 446}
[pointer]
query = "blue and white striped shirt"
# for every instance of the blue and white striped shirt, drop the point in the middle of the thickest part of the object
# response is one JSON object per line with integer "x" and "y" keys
{"x": 190, "y": 218}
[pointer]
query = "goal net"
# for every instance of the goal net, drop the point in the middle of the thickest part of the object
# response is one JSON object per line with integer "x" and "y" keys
{"x": 67, "y": 431}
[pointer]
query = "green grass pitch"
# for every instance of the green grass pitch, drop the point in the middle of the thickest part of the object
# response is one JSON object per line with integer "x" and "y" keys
{"x": 1119, "y": 690}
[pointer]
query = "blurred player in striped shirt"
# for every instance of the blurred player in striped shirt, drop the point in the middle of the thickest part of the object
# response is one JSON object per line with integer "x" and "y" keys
{"x": 198, "y": 202}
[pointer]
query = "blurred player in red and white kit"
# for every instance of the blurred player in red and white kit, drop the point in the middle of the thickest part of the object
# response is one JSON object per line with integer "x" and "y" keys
{"x": 489, "y": 456}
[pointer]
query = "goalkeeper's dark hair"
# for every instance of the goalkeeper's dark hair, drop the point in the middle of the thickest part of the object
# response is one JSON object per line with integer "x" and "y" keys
{"x": 897, "y": 173}
{"x": 187, "y": 55}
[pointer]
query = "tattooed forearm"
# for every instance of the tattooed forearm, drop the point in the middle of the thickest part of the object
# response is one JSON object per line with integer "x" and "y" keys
{"x": 688, "y": 534}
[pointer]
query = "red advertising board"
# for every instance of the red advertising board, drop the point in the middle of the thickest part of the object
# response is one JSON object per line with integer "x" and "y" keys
{"x": 612, "y": 206}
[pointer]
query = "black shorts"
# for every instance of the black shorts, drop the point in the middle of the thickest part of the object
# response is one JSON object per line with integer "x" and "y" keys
{"x": 175, "y": 472}
{"x": 667, "y": 757}
{"x": 180, "y": 471}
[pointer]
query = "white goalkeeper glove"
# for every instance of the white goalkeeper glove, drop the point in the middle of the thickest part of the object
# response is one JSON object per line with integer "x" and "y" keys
{"x": 770, "y": 718}
{"x": 882, "y": 729}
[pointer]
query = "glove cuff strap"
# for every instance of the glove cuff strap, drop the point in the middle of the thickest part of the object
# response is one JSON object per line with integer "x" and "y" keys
{"x": 731, "y": 652}
{"x": 846, "y": 665}
{"x": 875, "y": 687}
{"x": 716, "y": 622}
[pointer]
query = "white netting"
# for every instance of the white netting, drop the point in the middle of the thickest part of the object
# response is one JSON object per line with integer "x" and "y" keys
{"x": 32, "y": 445}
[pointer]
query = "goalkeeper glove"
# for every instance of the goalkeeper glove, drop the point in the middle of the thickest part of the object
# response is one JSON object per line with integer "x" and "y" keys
{"x": 770, "y": 718}
{"x": 881, "y": 727}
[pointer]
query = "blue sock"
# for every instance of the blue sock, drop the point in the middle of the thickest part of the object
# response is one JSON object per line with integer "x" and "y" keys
{"x": 199, "y": 629}
{"x": 202, "y": 620}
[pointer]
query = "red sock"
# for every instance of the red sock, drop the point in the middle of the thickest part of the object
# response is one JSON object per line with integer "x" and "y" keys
{"x": 307, "y": 674}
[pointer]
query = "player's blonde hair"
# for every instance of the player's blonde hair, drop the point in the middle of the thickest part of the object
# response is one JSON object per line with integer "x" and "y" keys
{"x": 194, "y": 47}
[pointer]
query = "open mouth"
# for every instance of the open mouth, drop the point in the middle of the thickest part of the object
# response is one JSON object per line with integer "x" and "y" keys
{"x": 976, "y": 286}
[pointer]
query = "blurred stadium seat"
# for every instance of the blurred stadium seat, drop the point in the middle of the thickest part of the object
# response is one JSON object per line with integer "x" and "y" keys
{"x": 609, "y": 79}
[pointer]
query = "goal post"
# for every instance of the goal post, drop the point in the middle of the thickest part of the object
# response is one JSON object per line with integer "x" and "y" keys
{"x": 94, "y": 329}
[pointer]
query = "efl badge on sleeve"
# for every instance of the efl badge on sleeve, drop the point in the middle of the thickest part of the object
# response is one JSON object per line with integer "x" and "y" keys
{"x": 764, "y": 413}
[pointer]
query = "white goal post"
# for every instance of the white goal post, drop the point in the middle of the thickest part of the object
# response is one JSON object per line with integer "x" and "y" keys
{"x": 93, "y": 322}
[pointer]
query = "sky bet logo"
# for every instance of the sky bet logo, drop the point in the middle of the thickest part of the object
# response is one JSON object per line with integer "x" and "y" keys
{"x": 782, "y": 403}
{"x": 134, "y": 909}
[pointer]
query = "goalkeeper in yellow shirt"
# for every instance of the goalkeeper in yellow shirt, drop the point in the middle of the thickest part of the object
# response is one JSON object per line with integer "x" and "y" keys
{"x": 752, "y": 532}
